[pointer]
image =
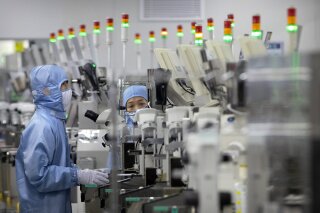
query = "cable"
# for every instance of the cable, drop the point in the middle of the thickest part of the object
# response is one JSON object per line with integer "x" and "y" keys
{"x": 235, "y": 111}
{"x": 185, "y": 85}
{"x": 182, "y": 86}
{"x": 170, "y": 102}
{"x": 160, "y": 149}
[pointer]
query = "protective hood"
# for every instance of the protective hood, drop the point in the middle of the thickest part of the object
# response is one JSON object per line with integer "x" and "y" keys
{"x": 134, "y": 91}
{"x": 45, "y": 84}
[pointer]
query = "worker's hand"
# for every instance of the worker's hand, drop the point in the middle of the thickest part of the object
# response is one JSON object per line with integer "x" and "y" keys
{"x": 92, "y": 177}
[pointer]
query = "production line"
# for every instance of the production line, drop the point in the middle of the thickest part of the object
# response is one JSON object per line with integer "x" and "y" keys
{"x": 220, "y": 134}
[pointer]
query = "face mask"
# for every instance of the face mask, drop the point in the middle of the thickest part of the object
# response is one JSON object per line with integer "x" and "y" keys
{"x": 129, "y": 117}
{"x": 66, "y": 99}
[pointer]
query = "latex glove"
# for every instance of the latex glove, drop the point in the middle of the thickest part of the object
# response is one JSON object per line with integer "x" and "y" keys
{"x": 92, "y": 177}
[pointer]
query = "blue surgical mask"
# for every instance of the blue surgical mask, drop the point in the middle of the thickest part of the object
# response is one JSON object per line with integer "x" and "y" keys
{"x": 129, "y": 117}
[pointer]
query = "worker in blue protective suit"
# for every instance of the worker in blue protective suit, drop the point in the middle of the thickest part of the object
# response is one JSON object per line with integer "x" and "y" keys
{"x": 134, "y": 98}
{"x": 44, "y": 170}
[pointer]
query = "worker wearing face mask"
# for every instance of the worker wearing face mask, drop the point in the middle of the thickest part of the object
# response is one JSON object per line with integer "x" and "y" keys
{"x": 134, "y": 98}
{"x": 44, "y": 170}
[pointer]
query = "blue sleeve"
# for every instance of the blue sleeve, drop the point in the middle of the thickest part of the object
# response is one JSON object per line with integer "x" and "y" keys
{"x": 41, "y": 174}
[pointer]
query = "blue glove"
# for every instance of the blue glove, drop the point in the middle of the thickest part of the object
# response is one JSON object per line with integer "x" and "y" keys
{"x": 92, "y": 177}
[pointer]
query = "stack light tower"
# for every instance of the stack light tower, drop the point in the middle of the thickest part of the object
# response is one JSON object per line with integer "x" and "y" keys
{"x": 60, "y": 35}
{"x": 54, "y": 48}
{"x": 124, "y": 39}
{"x": 71, "y": 33}
{"x": 96, "y": 33}
{"x": 193, "y": 31}
{"x": 83, "y": 36}
{"x": 293, "y": 30}
{"x": 96, "y": 40}
{"x": 256, "y": 27}
{"x": 60, "y": 39}
{"x": 109, "y": 32}
{"x": 210, "y": 28}
{"x": 152, "y": 40}
{"x": 138, "y": 42}
{"x": 83, "y": 31}
{"x": 180, "y": 33}
{"x": 228, "y": 38}
{"x": 52, "y": 38}
{"x": 96, "y": 27}
{"x": 164, "y": 36}
{"x": 292, "y": 26}
{"x": 198, "y": 36}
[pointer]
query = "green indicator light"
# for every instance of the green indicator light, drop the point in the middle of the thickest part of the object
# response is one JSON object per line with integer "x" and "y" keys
{"x": 82, "y": 34}
{"x": 71, "y": 36}
{"x": 96, "y": 31}
{"x": 133, "y": 199}
{"x": 52, "y": 40}
{"x": 94, "y": 65}
{"x": 256, "y": 34}
{"x": 161, "y": 209}
{"x": 60, "y": 38}
{"x": 227, "y": 38}
{"x": 152, "y": 40}
{"x": 193, "y": 31}
{"x": 108, "y": 190}
{"x": 232, "y": 25}
{"x": 137, "y": 41}
{"x": 292, "y": 28}
{"x": 110, "y": 29}
{"x": 164, "y": 37}
{"x": 198, "y": 42}
{"x": 210, "y": 29}
{"x": 180, "y": 34}
{"x": 91, "y": 185}
{"x": 125, "y": 25}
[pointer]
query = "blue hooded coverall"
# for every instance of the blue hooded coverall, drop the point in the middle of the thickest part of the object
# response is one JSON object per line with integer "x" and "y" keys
{"x": 43, "y": 166}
